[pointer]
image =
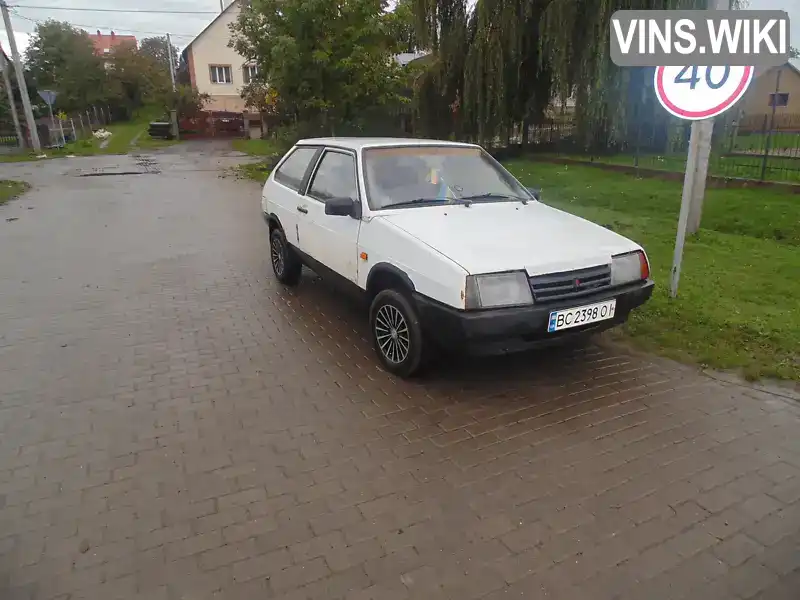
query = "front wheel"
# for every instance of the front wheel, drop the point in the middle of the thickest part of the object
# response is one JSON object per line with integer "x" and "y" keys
{"x": 396, "y": 333}
{"x": 285, "y": 263}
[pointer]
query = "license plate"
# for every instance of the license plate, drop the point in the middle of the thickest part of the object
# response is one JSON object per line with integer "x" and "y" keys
{"x": 581, "y": 315}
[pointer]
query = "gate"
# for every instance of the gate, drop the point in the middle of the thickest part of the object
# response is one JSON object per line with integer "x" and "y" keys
{"x": 215, "y": 124}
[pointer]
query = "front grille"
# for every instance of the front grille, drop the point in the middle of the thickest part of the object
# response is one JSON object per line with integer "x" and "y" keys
{"x": 556, "y": 287}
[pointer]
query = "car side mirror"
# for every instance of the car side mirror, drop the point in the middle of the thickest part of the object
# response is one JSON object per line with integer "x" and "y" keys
{"x": 536, "y": 193}
{"x": 343, "y": 207}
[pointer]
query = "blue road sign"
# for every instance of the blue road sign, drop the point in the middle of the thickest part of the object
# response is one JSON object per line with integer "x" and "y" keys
{"x": 49, "y": 96}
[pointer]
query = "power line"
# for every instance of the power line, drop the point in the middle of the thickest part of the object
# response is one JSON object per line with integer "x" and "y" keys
{"x": 120, "y": 10}
{"x": 156, "y": 33}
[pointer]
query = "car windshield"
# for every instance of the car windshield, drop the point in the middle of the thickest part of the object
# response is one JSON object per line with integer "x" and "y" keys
{"x": 408, "y": 176}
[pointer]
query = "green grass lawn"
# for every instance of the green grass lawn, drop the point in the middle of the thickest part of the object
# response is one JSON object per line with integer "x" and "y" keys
{"x": 758, "y": 141}
{"x": 739, "y": 290}
{"x": 257, "y": 147}
{"x": 11, "y": 189}
{"x": 259, "y": 171}
{"x": 145, "y": 142}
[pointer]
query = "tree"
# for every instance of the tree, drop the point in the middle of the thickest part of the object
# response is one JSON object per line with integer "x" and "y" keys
{"x": 794, "y": 53}
{"x": 157, "y": 48}
{"x": 186, "y": 100}
{"x": 497, "y": 63}
{"x": 259, "y": 96}
{"x": 401, "y": 26}
{"x": 327, "y": 61}
{"x": 135, "y": 79}
{"x": 61, "y": 57}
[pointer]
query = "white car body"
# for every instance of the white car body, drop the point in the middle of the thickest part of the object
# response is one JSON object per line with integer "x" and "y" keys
{"x": 435, "y": 248}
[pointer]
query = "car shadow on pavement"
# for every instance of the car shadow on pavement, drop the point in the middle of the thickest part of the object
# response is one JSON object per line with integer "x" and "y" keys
{"x": 322, "y": 301}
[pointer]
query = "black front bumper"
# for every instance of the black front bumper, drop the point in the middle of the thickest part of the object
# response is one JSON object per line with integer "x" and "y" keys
{"x": 520, "y": 328}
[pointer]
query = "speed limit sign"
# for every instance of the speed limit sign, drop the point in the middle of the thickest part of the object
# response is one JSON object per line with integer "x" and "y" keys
{"x": 694, "y": 93}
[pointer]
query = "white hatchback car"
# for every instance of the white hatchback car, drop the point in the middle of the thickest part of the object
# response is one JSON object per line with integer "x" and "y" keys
{"x": 448, "y": 248}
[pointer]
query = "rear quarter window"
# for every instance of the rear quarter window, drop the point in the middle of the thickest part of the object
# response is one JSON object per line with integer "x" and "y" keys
{"x": 293, "y": 169}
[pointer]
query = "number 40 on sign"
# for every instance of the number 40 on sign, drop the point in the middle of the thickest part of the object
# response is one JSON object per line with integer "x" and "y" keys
{"x": 695, "y": 93}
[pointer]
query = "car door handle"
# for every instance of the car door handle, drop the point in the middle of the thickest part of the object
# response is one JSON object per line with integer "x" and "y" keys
{"x": 302, "y": 209}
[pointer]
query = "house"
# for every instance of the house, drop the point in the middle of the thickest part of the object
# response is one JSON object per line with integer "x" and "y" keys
{"x": 105, "y": 44}
{"x": 406, "y": 58}
{"x": 214, "y": 68}
{"x": 778, "y": 86}
{"x": 219, "y": 71}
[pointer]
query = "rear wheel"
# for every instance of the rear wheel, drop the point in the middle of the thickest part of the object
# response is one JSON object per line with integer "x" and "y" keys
{"x": 285, "y": 263}
{"x": 396, "y": 333}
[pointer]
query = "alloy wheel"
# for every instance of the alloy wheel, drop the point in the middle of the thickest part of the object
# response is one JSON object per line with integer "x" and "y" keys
{"x": 278, "y": 261}
{"x": 391, "y": 331}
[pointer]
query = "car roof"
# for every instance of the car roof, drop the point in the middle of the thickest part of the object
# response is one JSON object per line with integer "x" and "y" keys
{"x": 359, "y": 143}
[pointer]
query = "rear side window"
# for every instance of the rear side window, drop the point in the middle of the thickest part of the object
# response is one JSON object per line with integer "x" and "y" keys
{"x": 294, "y": 168}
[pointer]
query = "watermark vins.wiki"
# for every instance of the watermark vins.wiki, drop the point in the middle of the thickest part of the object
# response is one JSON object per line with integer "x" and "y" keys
{"x": 654, "y": 38}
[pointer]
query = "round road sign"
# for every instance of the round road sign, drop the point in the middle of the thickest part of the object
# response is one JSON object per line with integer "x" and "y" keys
{"x": 695, "y": 93}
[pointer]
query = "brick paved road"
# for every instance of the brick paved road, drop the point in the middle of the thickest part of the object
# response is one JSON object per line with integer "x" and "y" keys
{"x": 173, "y": 424}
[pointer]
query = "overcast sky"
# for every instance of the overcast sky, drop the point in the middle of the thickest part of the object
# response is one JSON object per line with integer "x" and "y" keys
{"x": 183, "y": 27}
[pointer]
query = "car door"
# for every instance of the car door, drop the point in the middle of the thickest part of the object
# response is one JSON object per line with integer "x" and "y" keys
{"x": 284, "y": 194}
{"x": 329, "y": 239}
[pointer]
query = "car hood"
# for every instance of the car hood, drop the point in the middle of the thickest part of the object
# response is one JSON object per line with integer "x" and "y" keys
{"x": 505, "y": 236}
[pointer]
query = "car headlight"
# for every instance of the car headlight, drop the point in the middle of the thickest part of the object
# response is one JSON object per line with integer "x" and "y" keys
{"x": 630, "y": 267}
{"x": 495, "y": 290}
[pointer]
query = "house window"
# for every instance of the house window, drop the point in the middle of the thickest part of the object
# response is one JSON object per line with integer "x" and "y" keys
{"x": 221, "y": 74}
{"x": 249, "y": 72}
{"x": 779, "y": 99}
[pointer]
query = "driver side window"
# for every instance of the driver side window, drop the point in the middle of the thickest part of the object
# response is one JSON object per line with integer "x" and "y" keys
{"x": 335, "y": 177}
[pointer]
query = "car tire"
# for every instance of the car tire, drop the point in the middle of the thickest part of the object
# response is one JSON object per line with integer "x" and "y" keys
{"x": 285, "y": 263}
{"x": 396, "y": 333}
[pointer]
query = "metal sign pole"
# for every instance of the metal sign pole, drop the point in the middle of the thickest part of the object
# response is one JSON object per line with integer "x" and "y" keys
{"x": 686, "y": 202}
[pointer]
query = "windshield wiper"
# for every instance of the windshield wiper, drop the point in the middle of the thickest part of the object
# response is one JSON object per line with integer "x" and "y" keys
{"x": 463, "y": 201}
{"x": 490, "y": 195}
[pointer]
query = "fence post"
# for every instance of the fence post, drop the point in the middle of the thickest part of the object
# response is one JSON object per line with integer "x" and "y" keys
{"x": 89, "y": 120}
{"x": 61, "y": 130}
{"x": 734, "y": 131}
{"x": 80, "y": 119}
{"x": 96, "y": 118}
{"x": 765, "y": 136}
{"x": 74, "y": 134}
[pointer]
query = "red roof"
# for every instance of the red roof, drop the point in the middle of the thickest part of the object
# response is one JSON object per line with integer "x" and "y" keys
{"x": 104, "y": 44}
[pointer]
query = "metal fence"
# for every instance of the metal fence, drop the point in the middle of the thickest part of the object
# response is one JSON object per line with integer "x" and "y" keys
{"x": 755, "y": 147}
{"x": 60, "y": 130}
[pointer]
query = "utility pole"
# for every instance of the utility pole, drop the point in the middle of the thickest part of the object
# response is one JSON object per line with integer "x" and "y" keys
{"x": 23, "y": 88}
{"x": 10, "y": 91}
{"x": 173, "y": 114}
{"x": 171, "y": 62}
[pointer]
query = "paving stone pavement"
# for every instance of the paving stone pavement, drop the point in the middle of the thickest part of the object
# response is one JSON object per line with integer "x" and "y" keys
{"x": 174, "y": 424}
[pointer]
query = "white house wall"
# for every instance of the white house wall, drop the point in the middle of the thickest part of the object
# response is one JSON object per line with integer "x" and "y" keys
{"x": 211, "y": 48}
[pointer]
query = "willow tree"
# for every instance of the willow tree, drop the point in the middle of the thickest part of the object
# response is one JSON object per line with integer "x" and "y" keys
{"x": 504, "y": 61}
{"x": 611, "y": 103}
{"x": 443, "y": 28}
{"x": 506, "y": 84}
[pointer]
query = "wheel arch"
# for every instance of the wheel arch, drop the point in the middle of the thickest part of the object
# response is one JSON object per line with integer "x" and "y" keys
{"x": 273, "y": 222}
{"x": 387, "y": 276}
